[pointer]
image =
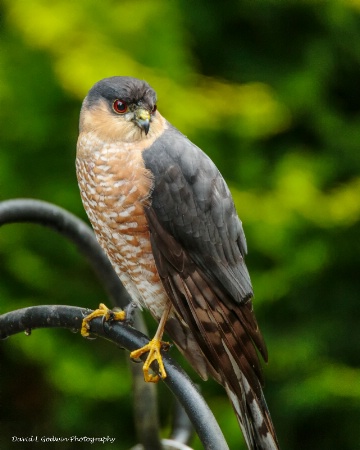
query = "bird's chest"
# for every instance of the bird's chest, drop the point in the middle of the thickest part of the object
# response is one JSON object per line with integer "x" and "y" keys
{"x": 115, "y": 187}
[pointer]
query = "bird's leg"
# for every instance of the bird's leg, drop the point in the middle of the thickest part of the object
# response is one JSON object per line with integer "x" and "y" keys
{"x": 102, "y": 311}
{"x": 154, "y": 347}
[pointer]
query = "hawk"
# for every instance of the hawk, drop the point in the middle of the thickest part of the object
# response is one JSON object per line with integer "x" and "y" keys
{"x": 165, "y": 217}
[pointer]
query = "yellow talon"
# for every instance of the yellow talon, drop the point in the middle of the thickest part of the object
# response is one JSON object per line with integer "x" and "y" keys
{"x": 102, "y": 311}
{"x": 153, "y": 347}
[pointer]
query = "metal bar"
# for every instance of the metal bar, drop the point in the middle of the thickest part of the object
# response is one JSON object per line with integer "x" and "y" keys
{"x": 177, "y": 381}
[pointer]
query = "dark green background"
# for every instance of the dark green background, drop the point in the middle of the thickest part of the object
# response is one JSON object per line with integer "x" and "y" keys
{"x": 271, "y": 91}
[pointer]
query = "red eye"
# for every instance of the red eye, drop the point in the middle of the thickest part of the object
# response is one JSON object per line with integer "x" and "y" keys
{"x": 120, "y": 106}
{"x": 153, "y": 111}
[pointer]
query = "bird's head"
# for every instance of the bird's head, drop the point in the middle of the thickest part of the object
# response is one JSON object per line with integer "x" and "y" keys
{"x": 121, "y": 109}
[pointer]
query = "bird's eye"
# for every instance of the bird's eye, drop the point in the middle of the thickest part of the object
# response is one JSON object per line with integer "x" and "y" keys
{"x": 153, "y": 111}
{"x": 120, "y": 106}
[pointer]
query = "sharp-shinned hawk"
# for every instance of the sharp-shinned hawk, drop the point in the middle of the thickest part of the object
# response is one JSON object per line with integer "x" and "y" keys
{"x": 165, "y": 217}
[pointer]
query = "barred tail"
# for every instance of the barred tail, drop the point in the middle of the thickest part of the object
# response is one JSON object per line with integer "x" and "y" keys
{"x": 253, "y": 417}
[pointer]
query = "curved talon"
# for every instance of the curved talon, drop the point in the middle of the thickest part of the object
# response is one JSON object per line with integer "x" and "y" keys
{"x": 102, "y": 311}
{"x": 153, "y": 347}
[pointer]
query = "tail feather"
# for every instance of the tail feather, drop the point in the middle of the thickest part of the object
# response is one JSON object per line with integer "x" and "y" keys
{"x": 253, "y": 417}
{"x": 230, "y": 358}
{"x": 239, "y": 370}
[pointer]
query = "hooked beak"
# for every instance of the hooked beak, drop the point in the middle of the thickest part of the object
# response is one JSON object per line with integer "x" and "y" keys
{"x": 142, "y": 119}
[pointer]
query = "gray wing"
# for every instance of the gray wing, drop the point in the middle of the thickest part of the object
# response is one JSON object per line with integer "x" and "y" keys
{"x": 193, "y": 203}
{"x": 199, "y": 246}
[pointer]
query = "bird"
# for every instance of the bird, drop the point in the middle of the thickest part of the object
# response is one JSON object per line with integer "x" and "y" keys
{"x": 165, "y": 217}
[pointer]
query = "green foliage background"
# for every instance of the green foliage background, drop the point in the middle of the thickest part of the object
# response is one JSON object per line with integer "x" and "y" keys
{"x": 270, "y": 90}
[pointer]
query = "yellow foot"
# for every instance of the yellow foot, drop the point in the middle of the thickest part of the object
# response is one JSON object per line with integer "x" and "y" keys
{"x": 153, "y": 347}
{"x": 102, "y": 311}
